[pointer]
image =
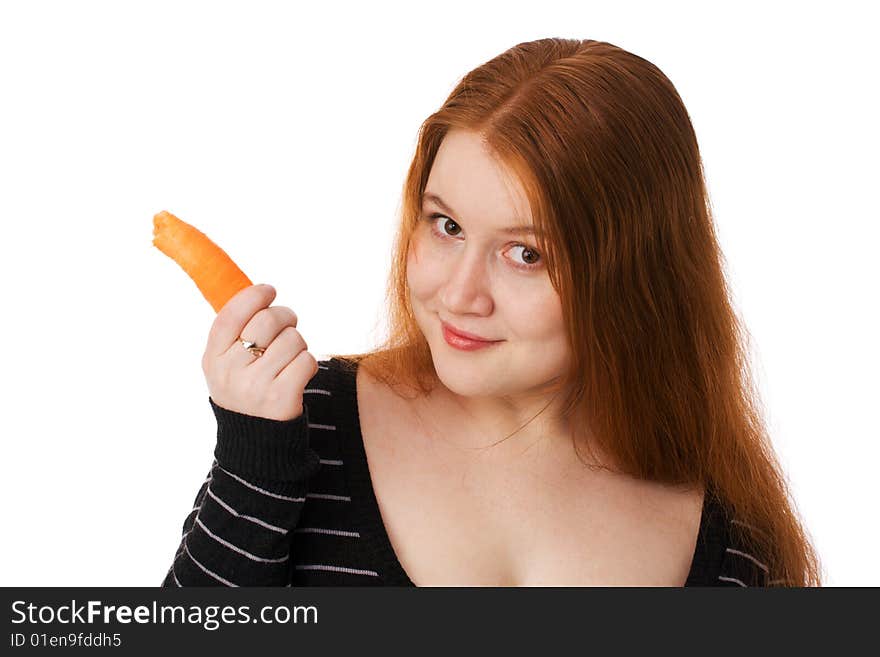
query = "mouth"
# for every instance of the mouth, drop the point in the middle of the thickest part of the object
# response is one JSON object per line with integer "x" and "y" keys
{"x": 463, "y": 339}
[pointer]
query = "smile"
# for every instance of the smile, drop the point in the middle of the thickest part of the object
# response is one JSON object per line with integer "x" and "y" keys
{"x": 462, "y": 342}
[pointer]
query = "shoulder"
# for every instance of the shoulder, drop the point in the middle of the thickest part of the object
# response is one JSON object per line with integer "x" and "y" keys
{"x": 333, "y": 372}
{"x": 741, "y": 563}
{"x": 726, "y": 553}
{"x": 334, "y": 378}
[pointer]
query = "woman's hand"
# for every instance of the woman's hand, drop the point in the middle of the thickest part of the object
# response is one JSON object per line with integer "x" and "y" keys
{"x": 269, "y": 386}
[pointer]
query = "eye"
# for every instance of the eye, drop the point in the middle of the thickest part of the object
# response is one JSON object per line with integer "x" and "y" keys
{"x": 448, "y": 221}
{"x": 533, "y": 256}
{"x": 532, "y": 259}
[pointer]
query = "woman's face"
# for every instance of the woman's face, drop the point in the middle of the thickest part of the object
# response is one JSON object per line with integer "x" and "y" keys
{"x": 465, "y": 269}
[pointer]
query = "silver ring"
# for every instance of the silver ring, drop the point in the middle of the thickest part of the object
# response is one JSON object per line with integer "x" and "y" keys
{"x": 252, "y": 347}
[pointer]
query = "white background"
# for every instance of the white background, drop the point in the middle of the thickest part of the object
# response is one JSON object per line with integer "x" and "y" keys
{"x": 284, "y": 132}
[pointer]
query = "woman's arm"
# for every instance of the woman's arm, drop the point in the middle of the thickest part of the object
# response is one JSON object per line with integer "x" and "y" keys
{"x": 238, "y": 532}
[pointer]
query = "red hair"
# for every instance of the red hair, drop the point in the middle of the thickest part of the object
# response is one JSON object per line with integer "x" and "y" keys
{"x": 659, "y": 379}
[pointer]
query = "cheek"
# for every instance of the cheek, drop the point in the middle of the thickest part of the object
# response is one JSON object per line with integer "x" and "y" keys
{"x": 415, "y": 249}
{"x": 419, "y": 256}
{"x": 540, "y": 315}
{"x": 423, "y": 273}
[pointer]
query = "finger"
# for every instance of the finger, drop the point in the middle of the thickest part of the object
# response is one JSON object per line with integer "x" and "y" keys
{"x": 298, "y": 372}
{"x": 267, "y": 323}
{"x": 237, "y": 312}
{"x": 262, "y": 329}
{"x": 280, "y": 352}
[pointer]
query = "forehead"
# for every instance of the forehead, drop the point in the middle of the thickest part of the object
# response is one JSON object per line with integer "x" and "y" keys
{"x": 471, "y": 180}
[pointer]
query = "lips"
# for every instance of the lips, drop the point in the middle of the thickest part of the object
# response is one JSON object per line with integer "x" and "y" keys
{"x": 465, "y": 334}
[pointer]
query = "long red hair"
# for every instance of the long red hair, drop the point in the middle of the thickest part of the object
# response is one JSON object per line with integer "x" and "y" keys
{"x": 660, "y": 378}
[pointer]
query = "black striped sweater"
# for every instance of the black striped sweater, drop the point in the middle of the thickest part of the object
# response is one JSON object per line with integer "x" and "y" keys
{"x": 291, "y": 504}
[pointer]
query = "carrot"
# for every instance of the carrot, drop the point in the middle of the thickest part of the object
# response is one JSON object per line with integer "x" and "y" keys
{"x": 213, "y": 271}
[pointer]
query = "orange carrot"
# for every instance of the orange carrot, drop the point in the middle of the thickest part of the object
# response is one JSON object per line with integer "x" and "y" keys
{"x": 212, "y": 270}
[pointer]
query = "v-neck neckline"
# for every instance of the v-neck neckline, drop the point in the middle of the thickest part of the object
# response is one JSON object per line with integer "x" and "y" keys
{"x": 708, "y": 551}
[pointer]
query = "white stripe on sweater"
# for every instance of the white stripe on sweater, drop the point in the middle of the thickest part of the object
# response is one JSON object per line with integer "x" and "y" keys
{"x": 209, "y": 572}
{"x": 328, "y": 496}
{"x": 262, "y": 490}
{"x": 747, "y": 526}
{"x": 319, "y": 530}
{"x": 337, "y": 569}
{"x": 196, "y": 509}
{"x": 235, "y": 548}
{"x": 750, "y": 558}
{"x": 257, "y": 521}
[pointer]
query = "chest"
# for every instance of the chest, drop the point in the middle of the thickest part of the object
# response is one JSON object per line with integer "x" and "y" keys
{"x": 460, "y": 521}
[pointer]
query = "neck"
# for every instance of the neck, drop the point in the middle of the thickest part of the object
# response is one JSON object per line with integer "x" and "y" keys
{"x": 495, "y": 427}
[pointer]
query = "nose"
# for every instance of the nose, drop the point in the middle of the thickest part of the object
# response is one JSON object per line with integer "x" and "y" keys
{"x": 466, "y": 290}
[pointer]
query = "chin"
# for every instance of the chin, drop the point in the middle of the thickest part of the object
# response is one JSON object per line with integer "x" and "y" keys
{"x": 463, "y": 376}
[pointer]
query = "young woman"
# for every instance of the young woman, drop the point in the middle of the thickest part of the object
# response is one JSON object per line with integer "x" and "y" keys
{"x": 564, "y": 396}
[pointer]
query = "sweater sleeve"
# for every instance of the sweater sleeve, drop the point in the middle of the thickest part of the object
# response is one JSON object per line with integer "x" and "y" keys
{"x": 238, "y": 532}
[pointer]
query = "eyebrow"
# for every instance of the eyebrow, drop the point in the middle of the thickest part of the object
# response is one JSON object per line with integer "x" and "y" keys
{"x": 511, "y": 230}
